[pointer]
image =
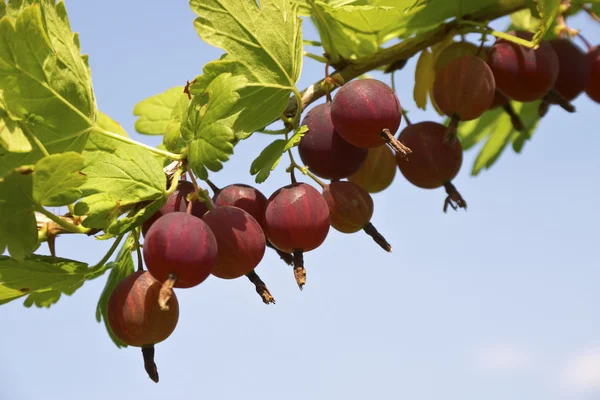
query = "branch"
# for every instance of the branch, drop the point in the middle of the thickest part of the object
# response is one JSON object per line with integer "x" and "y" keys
{"x": 401, "y": 51}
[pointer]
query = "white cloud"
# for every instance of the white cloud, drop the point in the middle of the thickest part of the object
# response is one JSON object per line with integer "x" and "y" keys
{"x": 505, "y": 357}
{"x": 581, "y": 373}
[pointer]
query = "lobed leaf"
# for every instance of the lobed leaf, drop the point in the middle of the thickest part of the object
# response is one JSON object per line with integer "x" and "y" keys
{"x": 156, "y": 112}
{"x": 120, "y": 176}
{"x": 45, "y": 83}
{"x": 207, "y": 125}
{"x": 42, "y": 279}
{"x": 57, "y": 179}
{"x": 264, "y": 44}
{"x": 352, "y": 31}
{"x": 12, "y": 137}
{"x": 423, "y": 15}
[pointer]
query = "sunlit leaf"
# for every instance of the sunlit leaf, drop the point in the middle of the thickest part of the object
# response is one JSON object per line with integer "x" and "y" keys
{"x": 265, "y": 46}
{"x": 270, "y": 157}
{"x": 42, "y": 279}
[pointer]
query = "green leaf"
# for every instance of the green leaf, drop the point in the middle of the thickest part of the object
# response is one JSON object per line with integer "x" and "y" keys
{"x": 268, "y": 160}
{"x": 524, "y": 20}
{"x": 44, "y": 81}
{"x": 156, "y": 112}
{"x": 423, "y": 15}
{"x": 172, "y": 138}
{"x": 493, "y": 147}
{"x": 42, "y": 279}
{"x": 120, "y": 176}
{"x": 424, "y": 77}
{"x": 497, "y": 126}
{"x": 120, "y": 268}
{"x": 548, "y": 9}
{"x": 2, "y": 8}
{"x": 109, "y": 124}
{"x": 207, "y": 125}
{"x": 351, "y": 32}
{"x": 270, "y": 157}
{"x": 12, "y": 137}
{"x": 57, "y": 179}
{"x": 18, "y": 228}
{"x": 265, "y": 43}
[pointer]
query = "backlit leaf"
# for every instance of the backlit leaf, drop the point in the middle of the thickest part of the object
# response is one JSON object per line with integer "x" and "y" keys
{"x": 265, "y": 43}
{"x": 44, "y": 81}
{"x": 156, "y": 112}
{"x": 57, "y": 179}
{"x": 18, "y": 228}
{"x": 42, "y": 279}
{"x": 270, "y": 157}
{"x": 207, "y": 125}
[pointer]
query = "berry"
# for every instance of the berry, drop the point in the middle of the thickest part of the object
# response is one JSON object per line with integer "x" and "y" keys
{"x": 362, "y": 109}
{"x": 324, "y": 151}
{"x": 240, "y": 240}
{"x": 350, "y": 206}
{"x": 136, "y": 319}
{"x": 377, "y": 172}
{"x": 297, "y": 220}
{"x": 351, "y": 209}
{"x": 573, "y": 71}
{"x": 253, "y": 202}
{"x": 182, "y": 245}
{"x": 177, "y": 201}
{"x": 245, "y": 197}
{"x": 521, "y": 73}
{"x": 435, "y": 162}
{"x": 592, "y": 89}
{"x": 134, "y": 316}
{"x": 464, "y": 88}
{"x": 455, "y": 50}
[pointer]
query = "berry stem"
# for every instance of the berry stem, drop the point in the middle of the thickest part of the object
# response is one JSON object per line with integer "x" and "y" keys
{"x": 261, "y": 288}
{"x": 454, "y": 198}
{"x": 166, "y": 291}
{"x": 109, "y": 253}
{"x": 216, "y": 190}
{"x": 200, "y": 193}
{"x": 286, "y": 257}
{"x": 584, "y": 40}
{"x": 450, "y": 137}
{"x": 299, "y": 271}
{"x": 174, "y": 180}
{"x": 149, "y": 364}
{"x": 377, "y": 237}
{"x": 405, "y": 115}
{"x": 515, "y": 119}
{"x": 138, "y": 249}
{"x": 554, "y": 97}
{"x": 394, "y": 143}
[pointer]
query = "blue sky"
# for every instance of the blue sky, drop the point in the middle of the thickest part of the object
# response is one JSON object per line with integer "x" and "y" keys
{"x": 498, "y": 302}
